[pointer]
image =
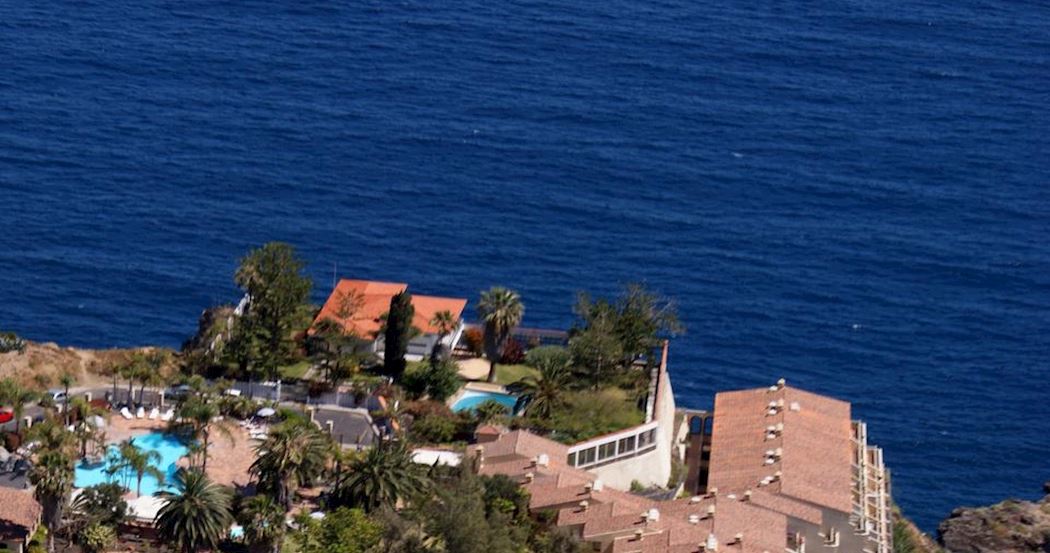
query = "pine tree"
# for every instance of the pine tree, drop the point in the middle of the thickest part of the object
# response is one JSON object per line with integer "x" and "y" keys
{"x": 399, "y": 332}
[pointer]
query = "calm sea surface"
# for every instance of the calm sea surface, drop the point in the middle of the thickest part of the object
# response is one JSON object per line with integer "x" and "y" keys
{"x": 851, "y": 195}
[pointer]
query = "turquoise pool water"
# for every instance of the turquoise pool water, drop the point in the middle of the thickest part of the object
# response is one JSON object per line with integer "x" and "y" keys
{"x": 472, "y": 398}
{"x": 168, "y": 447}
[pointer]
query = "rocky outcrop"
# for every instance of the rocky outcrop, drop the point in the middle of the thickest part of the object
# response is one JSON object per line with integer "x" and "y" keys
{"x": 1012, "y": 526}
{"x": 212, "y": 322}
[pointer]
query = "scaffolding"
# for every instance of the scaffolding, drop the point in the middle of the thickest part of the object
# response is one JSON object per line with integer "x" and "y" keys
{"x": 871, "y": 492}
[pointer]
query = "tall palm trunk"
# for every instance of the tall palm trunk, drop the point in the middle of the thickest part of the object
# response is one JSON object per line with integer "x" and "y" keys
{"x": 204, "y": 452}
{"x": 65, "y": 405}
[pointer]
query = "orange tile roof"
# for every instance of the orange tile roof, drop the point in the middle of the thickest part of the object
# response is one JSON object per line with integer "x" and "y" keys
{"x": 19, "y": 515}
{"x": 812, "y": 445}
{"x": 372, "y": 299}
{"x": 615, "y": 515}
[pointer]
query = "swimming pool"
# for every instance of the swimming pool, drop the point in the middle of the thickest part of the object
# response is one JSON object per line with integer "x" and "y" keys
{"x": 472, "y": 398}
{"x": 170, "y": 449}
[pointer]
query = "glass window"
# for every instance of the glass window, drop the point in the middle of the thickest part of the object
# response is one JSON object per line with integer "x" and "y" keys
{"x": 572, "y": 459}
{"x": 585, "y": 457}
{"x": 627, "y": 444}
{"x": 643, "y": 440}
{"x": 606, "y": 451}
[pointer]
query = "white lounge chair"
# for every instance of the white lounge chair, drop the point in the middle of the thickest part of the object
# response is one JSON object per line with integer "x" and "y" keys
{"x": 168, "y": 415}
{"x": 153, "y": 414}
{"x": 125, "y": 413}
{"x": 140, "y": 412}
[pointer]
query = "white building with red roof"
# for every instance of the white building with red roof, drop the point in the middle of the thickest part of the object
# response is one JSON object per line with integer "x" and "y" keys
{"x": 358, "y": 307}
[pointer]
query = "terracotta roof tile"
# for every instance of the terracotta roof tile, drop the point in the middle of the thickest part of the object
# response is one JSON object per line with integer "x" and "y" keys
{"x": 373, "y": 300}
{"x": 814, "y": 445}
{"x": 19, "y": 513}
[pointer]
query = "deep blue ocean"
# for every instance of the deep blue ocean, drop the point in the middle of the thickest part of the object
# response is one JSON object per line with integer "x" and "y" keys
{"x": 852, "y": 195}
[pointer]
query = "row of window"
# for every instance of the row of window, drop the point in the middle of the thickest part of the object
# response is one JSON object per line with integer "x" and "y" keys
{"x": 615, "y": 449}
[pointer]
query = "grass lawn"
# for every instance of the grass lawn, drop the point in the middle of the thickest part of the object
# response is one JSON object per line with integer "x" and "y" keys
{"x": 585, "y": 414}
{"x": 298, "y": 370}
{"x": 509, "y": 374}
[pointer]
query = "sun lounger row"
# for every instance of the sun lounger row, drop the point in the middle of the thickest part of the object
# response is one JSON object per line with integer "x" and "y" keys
{"x": 154, "y": 414}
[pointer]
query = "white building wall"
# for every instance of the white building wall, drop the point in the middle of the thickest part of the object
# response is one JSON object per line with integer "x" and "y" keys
{"x": 652, "y": 468}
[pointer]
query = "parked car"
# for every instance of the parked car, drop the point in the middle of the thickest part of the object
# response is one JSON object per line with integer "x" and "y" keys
{"x": 57, "y": 394}
{"x": 6, "y": 416}
{"x": 177, "y": 392}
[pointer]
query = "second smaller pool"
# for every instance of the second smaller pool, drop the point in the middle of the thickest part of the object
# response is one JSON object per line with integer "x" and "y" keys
{"x": 472, "y": 398}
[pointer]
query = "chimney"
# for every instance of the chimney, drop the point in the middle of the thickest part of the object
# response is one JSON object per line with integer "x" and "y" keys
{"x": 747, "y": 495}
{"x": 712, "y": 543}
{"x": 598, "y": 485}
{"x": 584, "y": 505}
{"x": 543, "y": 460}
{"x": 529, "y": 477}
{"x": 710, "y": 511}
{"x": 739, "y": 539}
{"x": 781, "y": 383}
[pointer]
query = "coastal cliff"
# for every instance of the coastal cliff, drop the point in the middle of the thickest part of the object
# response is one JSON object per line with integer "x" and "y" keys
{"x": 42, "y": 364}
{"x": 1012, "y": 526}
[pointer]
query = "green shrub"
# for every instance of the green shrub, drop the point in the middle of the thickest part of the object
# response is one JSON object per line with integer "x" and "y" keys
{"x": 96, "y": 538}
{"x": 38, "y": 543}
{"x": 414, "y": 382}
{"x": 439, "y": 381}
{"x": 434, "y": 429}
{"x": 9, "y": 341}
{"x": 238, "y": 407}
{"x": 490, "y": 410}
{"x": 443, "y": 380}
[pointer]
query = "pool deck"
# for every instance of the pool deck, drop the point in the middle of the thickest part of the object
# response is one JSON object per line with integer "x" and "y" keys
{"x": 119, "y": 429}
{"x": 228, "y": 460}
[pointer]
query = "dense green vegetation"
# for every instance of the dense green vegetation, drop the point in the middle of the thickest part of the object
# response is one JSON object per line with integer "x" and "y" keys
{"x": 377, "y": 499}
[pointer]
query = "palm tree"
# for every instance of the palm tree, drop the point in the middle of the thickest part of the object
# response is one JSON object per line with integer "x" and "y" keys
{"x": 52, "y": 478}
{"x": 140, "y": 462}
{"x": 380, "y": 477}
{"x": 200, "y": 413}
{"x": 197, "y": 515}
{"x": 263, "y": 520}
{"x": 66, "y": 380}
{"x": 52, "y": 436}
{"x": 544, "y": 392}
{"x": 501, "y": 310}
{"x": 16, "y": 396}
{"x": 445, "y": 323}
{"x": 292, "y": 455}
{"x": 130, "y": 371}
{"x": 149, "y": 372}
{"x": 84, "y": 429}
